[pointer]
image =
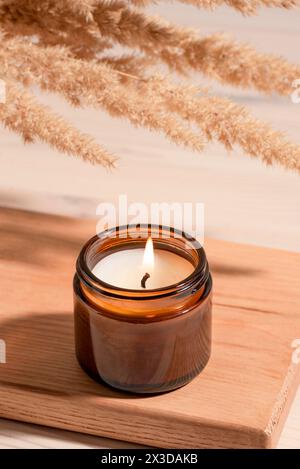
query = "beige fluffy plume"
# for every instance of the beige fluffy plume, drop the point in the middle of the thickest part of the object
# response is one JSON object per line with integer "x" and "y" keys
{"x": 244, "y": 6}
{"x": 22, "y": 114}
{"x": 67, "y": 47}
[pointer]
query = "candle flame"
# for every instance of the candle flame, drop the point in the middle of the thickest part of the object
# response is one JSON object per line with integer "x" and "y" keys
{"x": 148, "y": 259}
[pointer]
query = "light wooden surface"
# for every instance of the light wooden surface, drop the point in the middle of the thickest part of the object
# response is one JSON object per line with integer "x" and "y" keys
{"x": 240, "y": 400}
{"x": 244, "y": 201}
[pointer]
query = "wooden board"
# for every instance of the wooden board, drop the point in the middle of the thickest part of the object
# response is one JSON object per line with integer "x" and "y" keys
{"x": 239, "y": 401}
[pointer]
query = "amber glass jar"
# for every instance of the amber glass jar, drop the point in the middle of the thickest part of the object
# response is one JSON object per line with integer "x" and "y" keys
{"x": 143, "y": 341}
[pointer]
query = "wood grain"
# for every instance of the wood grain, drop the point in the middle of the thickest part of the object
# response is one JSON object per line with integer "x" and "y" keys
{"x": 240, "y": 400}
{"x": 18, "y": 435}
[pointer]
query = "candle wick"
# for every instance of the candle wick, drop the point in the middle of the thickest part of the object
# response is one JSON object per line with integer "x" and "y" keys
{"x": 144, "y": 280}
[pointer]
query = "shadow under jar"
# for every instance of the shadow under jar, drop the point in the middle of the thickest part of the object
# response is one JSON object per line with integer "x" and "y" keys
{"x": 147, "y": 340}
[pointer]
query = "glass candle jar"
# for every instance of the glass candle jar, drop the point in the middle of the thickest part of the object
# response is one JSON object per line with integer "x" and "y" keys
{"x": 147, "y": 340}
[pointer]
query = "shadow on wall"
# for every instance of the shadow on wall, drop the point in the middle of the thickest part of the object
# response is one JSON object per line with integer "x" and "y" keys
{"x": 61, "y": 204}
{"x": 40, "y": 240}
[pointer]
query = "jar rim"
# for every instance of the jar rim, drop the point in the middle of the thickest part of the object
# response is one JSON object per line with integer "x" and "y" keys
{"x": 196, "y": 279}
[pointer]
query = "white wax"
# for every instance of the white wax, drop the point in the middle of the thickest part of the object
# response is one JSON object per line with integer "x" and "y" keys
{"x": 125, "y": 269}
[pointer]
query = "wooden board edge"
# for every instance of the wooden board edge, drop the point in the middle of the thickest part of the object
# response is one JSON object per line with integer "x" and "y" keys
{"x": 283, "y": 404}
{"x": 157, "y": 429}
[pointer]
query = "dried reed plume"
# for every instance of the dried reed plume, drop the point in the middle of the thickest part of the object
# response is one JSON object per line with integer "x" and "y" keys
{"x": 67, "y": 47}
{"x": 22, "y": 114}
{"x": 244, "y": 6}
{"x": 216, "y": 56}
{"x": 220, "y": 119}
{"x": 89, "y": 84}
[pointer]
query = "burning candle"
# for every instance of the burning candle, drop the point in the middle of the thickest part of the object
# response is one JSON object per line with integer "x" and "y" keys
{"x": 143, "y": 268}
{"x": 142, "y": 308}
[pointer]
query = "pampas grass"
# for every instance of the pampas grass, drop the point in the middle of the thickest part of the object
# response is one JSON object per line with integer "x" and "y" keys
{"x": 67, "y": 47}
{"x": 22, "y": 114}
{"x": 243, "y": 6}
{"x": 230, "y": 124}
{"x": 90, "y": 84}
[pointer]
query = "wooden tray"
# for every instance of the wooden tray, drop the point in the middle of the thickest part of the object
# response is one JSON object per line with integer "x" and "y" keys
{"x": 239, "y": 401}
